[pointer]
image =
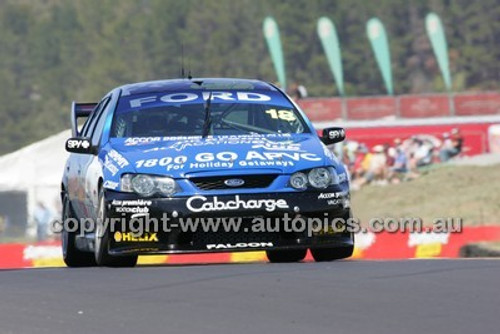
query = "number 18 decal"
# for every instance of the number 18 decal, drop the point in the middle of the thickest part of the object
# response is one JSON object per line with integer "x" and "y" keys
{"x": 285, "y": 115}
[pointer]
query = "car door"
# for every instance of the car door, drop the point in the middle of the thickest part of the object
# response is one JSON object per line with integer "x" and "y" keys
{"x": 91, "y": 167}
{"x": 73, "y": 170}
{"x": 82, "y": 162}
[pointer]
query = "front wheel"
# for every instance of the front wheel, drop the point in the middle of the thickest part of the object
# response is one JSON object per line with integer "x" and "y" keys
{"x": 72, "y": 256}
{"x": 281, "y": 256}
{"x": 331, "y": 254}
{"x": 101, "y": 245}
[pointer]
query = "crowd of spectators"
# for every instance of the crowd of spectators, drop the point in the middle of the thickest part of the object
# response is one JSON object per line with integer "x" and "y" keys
{"x": 400, "y": 160}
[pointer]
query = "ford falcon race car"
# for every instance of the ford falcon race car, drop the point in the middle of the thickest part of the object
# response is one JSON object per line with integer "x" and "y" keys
{"x": 201, "y": 165}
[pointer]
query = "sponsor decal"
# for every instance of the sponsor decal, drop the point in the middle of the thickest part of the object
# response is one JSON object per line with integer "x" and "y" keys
{"x": 131, "y": 237}
{"x": 131, "y": 209}
{"x": 181, "y": 142}
{"x": 335, "y": 201}
{"x": 168, "y": 162}
{"x": 341, "y": 194}
{"x": 279, "y": 146}
{"x": 118, "y": 158}
{"x": 330, "y": 155}
{"x": 111, "y": 184}
{"x": 416, "y": 239}
{"x": 202, "y": 204}
{"x": 258, "y": 156}
{"x": 203, "y": 96}
{"x": 33, "y": 252}
{"x": 337, "y": 133}
{"x": 228, "y": 159}
{"x": 131, "y": 202}
{"x": 241, "y": 245}
{"x": 133, "y": 141}
{"x": 110, "y": 166}
{"x": 256, "y": 140}
{"x": 131, "y": 206}
{"x": 78, "y": 143}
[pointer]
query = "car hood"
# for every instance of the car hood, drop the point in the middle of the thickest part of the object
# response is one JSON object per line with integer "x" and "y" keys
{"x": 179, "y": 157}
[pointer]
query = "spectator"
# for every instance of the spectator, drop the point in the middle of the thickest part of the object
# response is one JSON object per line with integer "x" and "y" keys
{"x": 390, "y": 154}
{"x": 376, "y": 169}
{"x": 42, "y": 218}
{"x": 399, "y": 162}
{"x": 423, "y": 153}
{"x": 400, "y": 168}
{"x": 452, "y": 146}
{"x": 357, "y": 165}
{"x": 298, "y": 91}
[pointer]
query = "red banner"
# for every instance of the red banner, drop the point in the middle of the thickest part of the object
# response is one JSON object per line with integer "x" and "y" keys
{"x": 322, "y": 109}
{"x": 424, "y": 106}
{"x": 477, "y": 104}
{"x": 407, "y": 106}
{"x": 370, "y": 108}
{"x": 475, "y": 135}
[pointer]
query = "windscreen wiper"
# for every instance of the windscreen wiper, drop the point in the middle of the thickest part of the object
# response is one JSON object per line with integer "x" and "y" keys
{"x": 208, "y": 118}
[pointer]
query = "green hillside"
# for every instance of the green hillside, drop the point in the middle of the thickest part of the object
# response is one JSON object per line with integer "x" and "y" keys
{"x": 54, "y": 51}
{"x": 467, "y": 192}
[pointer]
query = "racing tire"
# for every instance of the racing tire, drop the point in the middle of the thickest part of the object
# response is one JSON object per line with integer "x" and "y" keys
{"x": 334, "y": 253}
{"x": 331, "y": 254}
{"x": 101, "y": 245}
{"x": 72, "y": 256}
{"x": 286, "y": 256}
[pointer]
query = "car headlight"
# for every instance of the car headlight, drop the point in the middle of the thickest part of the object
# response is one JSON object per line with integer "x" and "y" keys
{"x": 143, "y": 185}
{"x": 319, "y": 178}
{"x": 298, "y": 181}
{"x": 147, "y": 185}
{"x": 166, "y": 185}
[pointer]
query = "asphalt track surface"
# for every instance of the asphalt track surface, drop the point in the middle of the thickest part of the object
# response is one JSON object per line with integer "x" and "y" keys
{"x": 415, "y": 296}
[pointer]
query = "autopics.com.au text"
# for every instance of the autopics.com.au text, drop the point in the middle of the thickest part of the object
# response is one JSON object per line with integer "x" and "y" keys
{"x": 286, "y": 223}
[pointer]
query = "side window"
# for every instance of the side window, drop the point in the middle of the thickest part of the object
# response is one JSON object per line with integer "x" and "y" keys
{"x": 89, "y": 124}
{"x": 85, "y": 126}
{"x": 100, "y": 120}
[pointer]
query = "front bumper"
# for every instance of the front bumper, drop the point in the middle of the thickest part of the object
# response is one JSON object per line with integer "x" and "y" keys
{"x": 245, "y": 222}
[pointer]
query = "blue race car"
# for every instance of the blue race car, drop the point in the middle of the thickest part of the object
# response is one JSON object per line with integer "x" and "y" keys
{"x": 201, "y": 165}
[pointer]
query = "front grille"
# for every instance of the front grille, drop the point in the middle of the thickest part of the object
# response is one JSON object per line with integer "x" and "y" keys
{"x": 201, "y": 238}
{"x": 217, "y": 182}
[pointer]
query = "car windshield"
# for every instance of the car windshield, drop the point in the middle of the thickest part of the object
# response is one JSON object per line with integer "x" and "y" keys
{"x": 185, "y": 114}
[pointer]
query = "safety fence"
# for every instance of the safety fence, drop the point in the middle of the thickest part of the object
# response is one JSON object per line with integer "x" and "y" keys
{"x": 403, "y": 106}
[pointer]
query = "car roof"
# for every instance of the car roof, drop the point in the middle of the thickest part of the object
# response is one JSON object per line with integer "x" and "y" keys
{"x": 195, "y": 84}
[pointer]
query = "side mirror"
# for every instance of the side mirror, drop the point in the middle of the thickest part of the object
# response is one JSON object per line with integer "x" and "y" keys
{"x": 79, "y": 145}
{"x": 333, "y": 135}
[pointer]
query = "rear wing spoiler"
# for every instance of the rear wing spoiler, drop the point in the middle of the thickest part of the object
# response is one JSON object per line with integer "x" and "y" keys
{"x": 80, "y": 110}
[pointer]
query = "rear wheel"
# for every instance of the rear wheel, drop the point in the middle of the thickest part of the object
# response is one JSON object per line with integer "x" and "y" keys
{"x": 280, "y": 256}
{"x": 101, "y": 246}
{"x": 72, "y": 256}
